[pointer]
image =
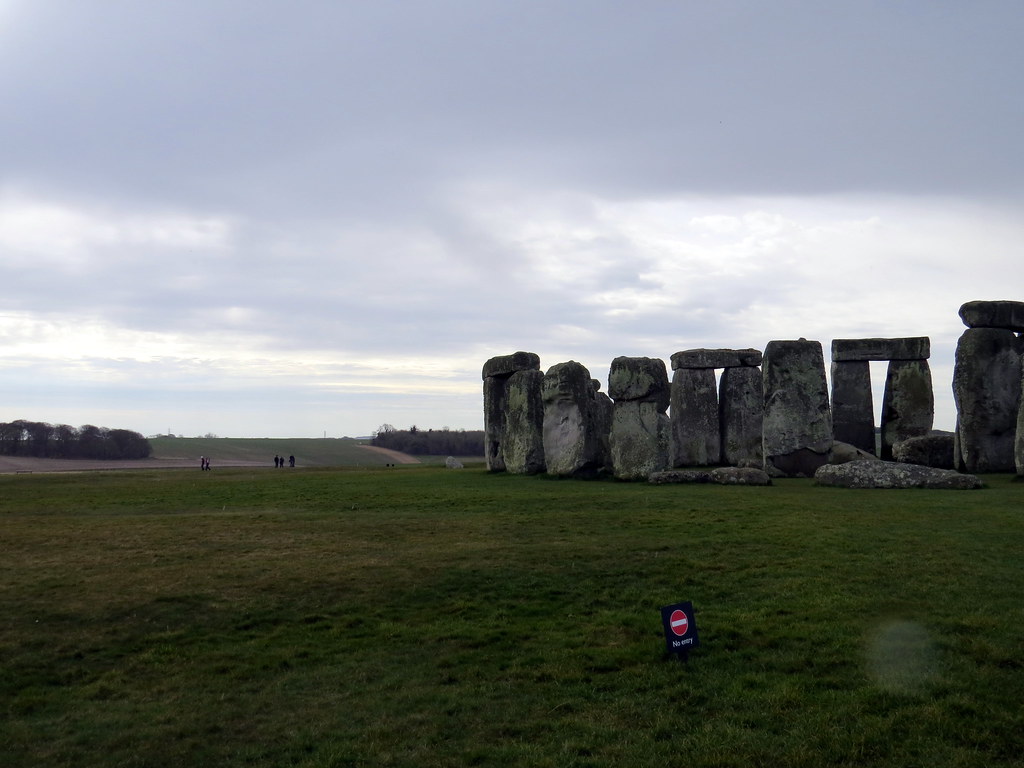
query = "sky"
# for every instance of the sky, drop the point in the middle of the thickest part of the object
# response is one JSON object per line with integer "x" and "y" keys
{"x": 308, "y": 218}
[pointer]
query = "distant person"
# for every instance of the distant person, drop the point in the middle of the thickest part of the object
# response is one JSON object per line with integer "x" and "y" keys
{"x": 206, "y": 464}
{"x": 277, "y": 462}
{"x": 202, "y": 462}
{"x": 291, "y": 461}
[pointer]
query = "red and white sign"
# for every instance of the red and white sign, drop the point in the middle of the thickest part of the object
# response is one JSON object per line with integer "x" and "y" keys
{"x": 678, "y": 622}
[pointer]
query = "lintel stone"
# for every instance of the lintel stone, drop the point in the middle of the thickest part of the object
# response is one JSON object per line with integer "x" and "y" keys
{"x": 506, "y": 365}
{"x": 716, "y": 358}
{"x": 994, "y": 314}
{"x": 860, "y": 350}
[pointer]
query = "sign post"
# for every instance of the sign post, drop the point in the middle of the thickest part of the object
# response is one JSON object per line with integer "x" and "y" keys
{"x": 680, "y": 629}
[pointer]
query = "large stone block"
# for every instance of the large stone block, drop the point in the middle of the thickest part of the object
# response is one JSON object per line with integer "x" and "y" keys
{"x": 987, "y": 392}
{"x": 574, "y": 445}
{"x": 716, "y": 358}
{"x": 639, "y": 439}
{"x": 853, "y": 412}
{"x": 506, "y": 365}
{"x": 797, "y": 420}
{"x": 994, "y": 314}
{"x": 741, "y": 415}
{"x": 908, "y": 404}
{"x": 639, "y": 378}
{"x": 523, "y": 447}
{"x": 696, "y": 438}
{"x": 495, "y": 390}
{"x": 864, "y": 350}
{"x": 934, "y": 450}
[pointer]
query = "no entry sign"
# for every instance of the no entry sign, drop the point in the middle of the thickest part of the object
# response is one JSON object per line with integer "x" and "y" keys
{"x": 680, "y": 628}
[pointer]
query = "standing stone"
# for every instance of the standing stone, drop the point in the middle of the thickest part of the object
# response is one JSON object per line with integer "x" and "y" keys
{"x": 987, "y": 392}
{"x": 741, "y": 416}
{"x": 640, "y": 433}
{"x": 524, "y": 423}
{"x": 696, "y": 438}
{"x": 602, "y": 409}
{"x": 494, "y": 422}
{"x": 496, "y": 374}
{"x": 575, "y": 428}
{"x": 908, "y": 404}
{"x": 797, "y": 421}
{"x": 853, "y": 413}
{"x": 1018, "y": 452}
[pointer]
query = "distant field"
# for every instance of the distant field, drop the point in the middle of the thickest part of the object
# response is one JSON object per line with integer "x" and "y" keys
{"x": 308, "y": 452}
{"x": 429, "y": 618}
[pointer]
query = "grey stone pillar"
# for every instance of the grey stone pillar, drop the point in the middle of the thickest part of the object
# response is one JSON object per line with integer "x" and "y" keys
{"x": 497, "y": 373}
{"x": 908, "y": 405}
{"x": 696, "y": 438}
{"x": 640, "y": 432}
{"x": 741, "y": 416}
{"x": 987, "y": 392}
{"x": 853, "y": 413}
{"x": 575, "y": 426}
{"x": 524, "y": 423}
{"x": 797, "y": 420}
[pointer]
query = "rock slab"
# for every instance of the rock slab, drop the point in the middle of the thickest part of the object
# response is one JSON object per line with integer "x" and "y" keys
{"x": 696, "y": 438}
{"x": 907, "y": 348}
{"x": 987, "y": 392}
{"x": 797, "y": 419}
{"x": 741, "y": 416}
{"x": 886, "y": 474}
{"x": 641, "y": 431}
{"x": 853, "y": 411}
{"x": 716, "y": 358}
{"x": 1008, "y": 315}
{"x": 934, "y": 450}
{"x": 575, "y": 429}
{"x": 908, "y": 405}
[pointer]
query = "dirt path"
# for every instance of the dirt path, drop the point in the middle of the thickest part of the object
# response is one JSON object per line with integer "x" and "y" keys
{"x": 398, "y": 456}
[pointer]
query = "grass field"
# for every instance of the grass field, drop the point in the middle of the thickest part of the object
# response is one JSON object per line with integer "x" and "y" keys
{"x": 417, "y": 616}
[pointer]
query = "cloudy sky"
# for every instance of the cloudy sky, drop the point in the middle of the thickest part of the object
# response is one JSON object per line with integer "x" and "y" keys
{"x": 268, "y": 218}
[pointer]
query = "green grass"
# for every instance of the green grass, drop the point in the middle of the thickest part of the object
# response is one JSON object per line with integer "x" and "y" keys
{"x": 423, "y": 617}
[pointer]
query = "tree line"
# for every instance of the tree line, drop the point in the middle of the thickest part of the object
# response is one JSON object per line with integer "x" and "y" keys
{"x": 60, "y": 441}
{"x": 430, "y": 442}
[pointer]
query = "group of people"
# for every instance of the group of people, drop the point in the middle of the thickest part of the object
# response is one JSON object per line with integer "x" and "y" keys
{"x": 280, "y": 460}
{"x": 204, "y": 463}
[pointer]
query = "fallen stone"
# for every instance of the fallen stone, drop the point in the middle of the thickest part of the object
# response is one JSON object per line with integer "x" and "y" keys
{"x": 994, "y": 314}
{"x": 452, "y": 463}
{"x": 886, "y": 474}
{"x": 716, "y": 358}
{"x": 935, "y": 450}
{"x": 908, "y": 348}
{"x": 843, "y": 453}
{"x": 739, "y": 476}
{"x": 672, "y": 476}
